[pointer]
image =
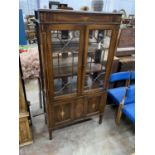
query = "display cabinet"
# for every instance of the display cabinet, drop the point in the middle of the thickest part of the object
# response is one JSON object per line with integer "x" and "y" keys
{"x": 76, "y": 52}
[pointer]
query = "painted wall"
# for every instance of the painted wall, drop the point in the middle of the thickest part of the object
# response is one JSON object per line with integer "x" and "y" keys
{"x": 109, "y": 5}
{"x": 76, "y": 4}
{"x": 28, "y": 6}
{"x": 127, "y": 5}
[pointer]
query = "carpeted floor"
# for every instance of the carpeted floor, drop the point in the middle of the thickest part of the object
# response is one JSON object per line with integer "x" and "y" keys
{"x": 87, "y": 138}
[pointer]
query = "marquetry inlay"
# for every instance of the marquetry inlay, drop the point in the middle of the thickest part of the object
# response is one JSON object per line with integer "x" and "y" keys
{"x": 62, "y": 113}
{"x": 79, "y": 108}
{"x": 93, "y": 106}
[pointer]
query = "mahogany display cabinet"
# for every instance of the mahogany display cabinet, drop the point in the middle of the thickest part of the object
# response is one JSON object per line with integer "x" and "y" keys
{"x": 76, "y": 52}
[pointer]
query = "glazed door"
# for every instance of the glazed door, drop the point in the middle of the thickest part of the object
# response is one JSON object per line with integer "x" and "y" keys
{"x": 66, "y": 44}
{"x": 99, "y": 52}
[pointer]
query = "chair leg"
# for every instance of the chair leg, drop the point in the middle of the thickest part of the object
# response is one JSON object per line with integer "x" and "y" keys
{"x": 118, "y": 114}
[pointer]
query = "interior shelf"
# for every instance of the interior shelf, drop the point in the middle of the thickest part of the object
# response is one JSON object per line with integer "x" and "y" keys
{"x": 73, "y": 46}
{"x": 69, "y": 70}
{"x": 69, "y": 85}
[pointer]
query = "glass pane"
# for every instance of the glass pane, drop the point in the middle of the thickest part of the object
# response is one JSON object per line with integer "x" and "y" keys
{"x": 65, "y": 49}
{"x": 98, "y": 48}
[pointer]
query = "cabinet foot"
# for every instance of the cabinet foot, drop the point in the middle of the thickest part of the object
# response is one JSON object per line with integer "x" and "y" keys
{"x": 40, "y": 93}
{"x": 45, "y": 119}
{"x": 50, "y": 134}
{"x": 100, "y": 118}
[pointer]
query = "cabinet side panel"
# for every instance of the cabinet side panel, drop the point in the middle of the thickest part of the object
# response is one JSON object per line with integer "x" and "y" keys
{"x": 112, "y": 51}
{"x": 22, "y": 104}
{"x": 24, "y": 130}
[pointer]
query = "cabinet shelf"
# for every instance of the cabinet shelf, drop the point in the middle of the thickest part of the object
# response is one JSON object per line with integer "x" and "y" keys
{"x": 69, "y": 70}
{"x": 73, "y": 47}
{"x": 71, "y": 84}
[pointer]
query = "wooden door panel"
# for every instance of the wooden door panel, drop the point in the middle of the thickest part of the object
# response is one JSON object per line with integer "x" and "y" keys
{"x": 93, "y": 104}
{"x": 65, "y": 47}
{"x": 62, "y": 113}
{"x": 24, "y": 131}
{"x": 79, "y": 108}
{"x": 97, "y": 47}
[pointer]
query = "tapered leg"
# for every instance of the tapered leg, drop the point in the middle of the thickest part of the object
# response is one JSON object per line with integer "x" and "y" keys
{"x": 50, "y": 134}
{"x": 100, "y": 118}
{"x": 102, "y": 107}
{"x": 45, "y": 118}
{"x": 40, "y": 94}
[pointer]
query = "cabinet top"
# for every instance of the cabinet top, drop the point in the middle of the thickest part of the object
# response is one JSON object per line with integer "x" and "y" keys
{"x": 76, "y": 12}
{"x": 70, "y": 16}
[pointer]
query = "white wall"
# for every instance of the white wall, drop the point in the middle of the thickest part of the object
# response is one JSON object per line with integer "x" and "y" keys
{"x": 76, "y": 4}
{"x": 109, "y": 5}
{"x": 127, "y": 5}
{"x": 28, "y": 6}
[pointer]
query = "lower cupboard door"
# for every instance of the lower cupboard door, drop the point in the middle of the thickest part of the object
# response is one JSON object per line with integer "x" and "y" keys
{"x": 79, "y": 108}
{"x": 93, "y": 105}
{"x": 62, "y": 113}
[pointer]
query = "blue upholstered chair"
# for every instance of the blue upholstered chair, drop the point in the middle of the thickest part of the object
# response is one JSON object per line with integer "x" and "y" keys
{"x": 129, "y": 111}
{"x": 127, "y": 105}
{"x": 124, "y": 97}
{"x": 117, "y": 94}
{"x": 132, "y": 75}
